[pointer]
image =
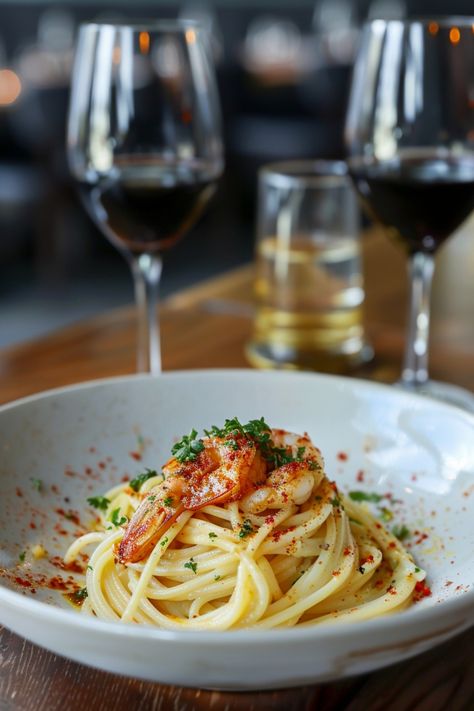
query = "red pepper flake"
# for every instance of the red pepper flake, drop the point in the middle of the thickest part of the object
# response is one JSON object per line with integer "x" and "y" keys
{"x": 55, "y": 489}
{"x": 92, "y": 450}
{"x": 336, "y": 572}
{"x": 18, "y": 492}
{"x": 360, "y": 475}
{"x": 270, "y": 519}
{"x": 347, "y": 550}
{"x": 276, "y": 535}
{"x": 448, "y": 583}
{"x": 342, "y": 456}
{"x": 392, "y": 544}
{"x": 69, "y": 472}
{"x": 136, "y": 456}
{"x": 32, "y": 525}
{"x": 378, "y": 583}
{"x": 125, "y": 478}
{"x": 88, "y": 470}
{"x": 423, "y": 537}
{"x": 101, "y": 465}
{"x": 70, "y": 515}
{"x": 414, "y": 477}
{"x": 22, "y": 582}
{"x": 391, "y": 590}
{"x": 421, "y": 590}
{"x": 378, "y": 525}
{"x": 73, "y": 567}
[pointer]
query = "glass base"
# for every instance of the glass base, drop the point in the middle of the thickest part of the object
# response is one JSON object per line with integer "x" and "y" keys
{"x": 267, "y": 356}
{"x": 451, "y": 394}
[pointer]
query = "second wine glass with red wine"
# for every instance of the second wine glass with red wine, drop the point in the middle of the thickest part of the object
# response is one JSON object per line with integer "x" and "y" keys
{"x": 144, "y": 144}
{"x": 410, "y": 141}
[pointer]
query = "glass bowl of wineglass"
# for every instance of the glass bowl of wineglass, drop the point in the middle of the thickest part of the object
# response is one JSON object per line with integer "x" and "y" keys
{"x": 144, "y": 144}
{"x": 410, "y": 143}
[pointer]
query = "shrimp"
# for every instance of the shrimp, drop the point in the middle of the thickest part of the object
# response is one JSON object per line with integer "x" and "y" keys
{"x": 222, "y": 472}
{"x": 291, "y": 483}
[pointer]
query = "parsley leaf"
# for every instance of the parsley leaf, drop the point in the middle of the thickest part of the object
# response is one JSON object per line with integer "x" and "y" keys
{"x": 363, "y": 496}
{"x": 217, "y": 577}
{"x": 191, "y": 565}
{"x": 116, "y": 519}
{"x": 246, "y": 529}
{"x": 401, "y": 532}
{"x": 22, "y": 556}
{"x": 137, "y": 483}
{"x": 79, "y": 595}
{"x": 188, "y": 447}
{"x": 164, "y": 541}
{"x": 168, "y": 501}
{"x": 212, "y": 535}
{"x": 335, "y": 502}
{"x": 385, "y": 514}
{"x": 37, "y": 484}
{"x": 99, "y": 502}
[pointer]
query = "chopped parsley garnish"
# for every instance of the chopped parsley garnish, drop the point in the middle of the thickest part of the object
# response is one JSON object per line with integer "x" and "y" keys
{"x": 217, "y": 577}
{"x": 188, "y": 447}
{"x": 417, "y": 569}
{"x": 37, "y": 484}
{"x": 79, "y": 595}
{"x": 137, "y": 483}
{"x": 22, "y": 556}
{"x": 168, "y": 501}
{"x": 363, "y": 496}
{"x": 361, "y": 569}
{"x": 401, "y": 532}
{"x": 191, "y": 565}
{"x": 116, "y": 519}
{"x": 385, "y": 514}
{"x": 99, "y": 502}
{"x": 151, "y": 498}
{"x": 260, "y": 432}
{"x": 335, "y": 501}
{"x": 354, "y": 520}
{"x": 212, "y": 535}
{"x": 89, "y": 567}
{"x": 164, "y": 541}
{"x": 246, "y": 529}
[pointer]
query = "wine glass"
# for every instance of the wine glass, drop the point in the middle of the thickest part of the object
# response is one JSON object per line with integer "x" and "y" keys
{"x": 410, "y": 140}
{"x": 144, "y": 144}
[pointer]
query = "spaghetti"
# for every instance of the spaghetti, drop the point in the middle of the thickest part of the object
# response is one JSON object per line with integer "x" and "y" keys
{"x": 241, "y": 529}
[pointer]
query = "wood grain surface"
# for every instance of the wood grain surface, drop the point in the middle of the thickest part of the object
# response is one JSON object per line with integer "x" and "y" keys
{"x": 207, "y": 326}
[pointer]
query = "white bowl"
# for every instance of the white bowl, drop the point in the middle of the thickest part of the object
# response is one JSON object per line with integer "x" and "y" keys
{"x": 80, "y": 440}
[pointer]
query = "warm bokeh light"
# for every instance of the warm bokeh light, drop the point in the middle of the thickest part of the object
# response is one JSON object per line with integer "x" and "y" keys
{"x": 433, "y": 28}
{"x": 144, "y": 42}
{"x": 116, "y": 55}
{"x": 10, "y": 87}
{"x": 454, "y": 35}
{"x": 190, "y": 36}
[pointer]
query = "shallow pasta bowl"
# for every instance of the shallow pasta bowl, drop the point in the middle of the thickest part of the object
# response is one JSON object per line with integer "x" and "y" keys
{"x": 61, "y": 447}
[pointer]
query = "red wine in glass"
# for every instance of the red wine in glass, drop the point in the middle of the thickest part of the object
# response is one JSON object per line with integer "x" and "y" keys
{"x": 421, "y": 199}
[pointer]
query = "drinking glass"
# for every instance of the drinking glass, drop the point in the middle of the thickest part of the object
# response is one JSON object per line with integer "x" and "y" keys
{"x": 144, "y": 144}
{"x": 410, "y": 141}
{"x": 309, "y": 283}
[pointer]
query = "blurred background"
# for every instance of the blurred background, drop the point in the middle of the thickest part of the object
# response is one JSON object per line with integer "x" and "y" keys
{"x": 284, "y": 69}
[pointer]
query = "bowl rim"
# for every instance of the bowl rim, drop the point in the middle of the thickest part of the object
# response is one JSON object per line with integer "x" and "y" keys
{"x": 330, "y": 631}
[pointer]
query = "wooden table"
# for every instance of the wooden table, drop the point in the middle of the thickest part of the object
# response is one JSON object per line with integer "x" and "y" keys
{"x": 207, "y": 326}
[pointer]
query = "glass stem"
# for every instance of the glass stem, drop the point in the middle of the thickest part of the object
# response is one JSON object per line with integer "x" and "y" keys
{"x": 146, "y": 270}
{"x": 415, "y": 366}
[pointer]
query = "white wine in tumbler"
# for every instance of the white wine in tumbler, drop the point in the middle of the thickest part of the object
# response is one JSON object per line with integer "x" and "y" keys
{"x": 310, "y": 294}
